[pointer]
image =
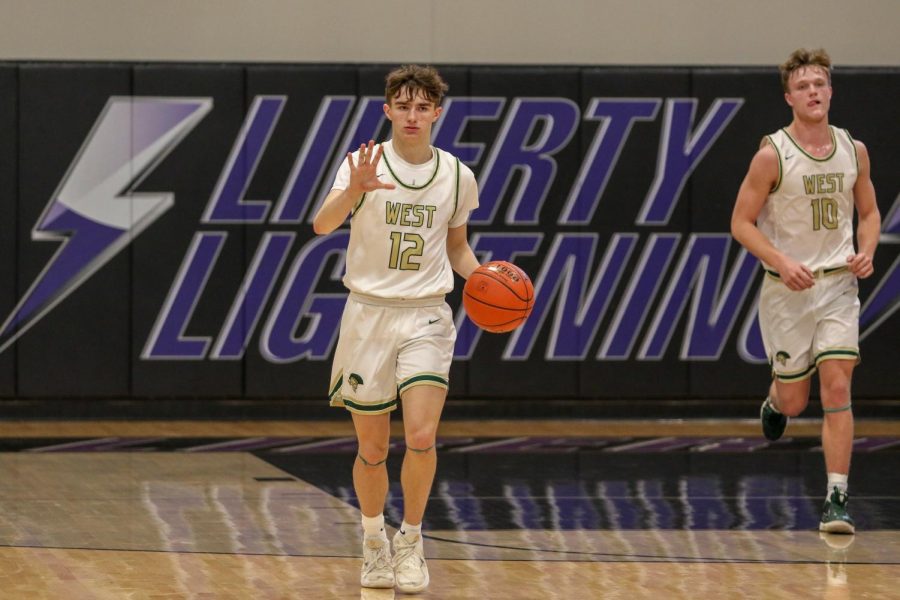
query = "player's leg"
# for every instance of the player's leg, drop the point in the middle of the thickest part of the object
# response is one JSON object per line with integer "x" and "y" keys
{"x": 837, "y": 352}
{"x": 837, "y": 424}
{"x": 363, "y": 382}
{"x": 423, "y": 366}
{"x": 422, "y": 406}
{"x": 370, "y": 480}
{"x": 785, "y": 399}
{"x": 837, "y": 442}
{"x": 791, "y": 397}
{"x": 788, "y": 328}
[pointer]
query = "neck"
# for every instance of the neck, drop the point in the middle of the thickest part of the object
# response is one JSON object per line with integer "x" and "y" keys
{"x": 815, "y": 133}
{"x": 413, "y": 153}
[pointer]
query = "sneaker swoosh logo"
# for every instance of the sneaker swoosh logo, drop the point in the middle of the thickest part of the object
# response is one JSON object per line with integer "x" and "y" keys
{"x": 431, "y": 322}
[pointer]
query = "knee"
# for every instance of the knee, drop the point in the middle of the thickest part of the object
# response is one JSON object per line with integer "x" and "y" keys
{"x": 421, "y": 438}
{"x": 791, "y": 405}
{"x": 373, "y": 453}
{"x": 836, "y": 392}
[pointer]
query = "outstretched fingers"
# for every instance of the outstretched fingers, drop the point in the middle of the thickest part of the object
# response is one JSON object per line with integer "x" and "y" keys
{"x": 365, "y": 152}
{"x": 375, "y": 160}
{"x": 365, "y": 170}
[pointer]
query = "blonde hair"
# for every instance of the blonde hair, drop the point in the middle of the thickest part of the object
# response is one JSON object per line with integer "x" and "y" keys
{"x": 802, "y": 58}
{"x": 415, "y": 78}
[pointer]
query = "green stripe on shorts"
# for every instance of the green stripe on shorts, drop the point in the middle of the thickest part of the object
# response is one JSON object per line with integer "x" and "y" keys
{"x": 844, "y": 354}
{"x": 424, "y": 378}
{"x": 370, "y": 408}
{"x": 796, "y": 376}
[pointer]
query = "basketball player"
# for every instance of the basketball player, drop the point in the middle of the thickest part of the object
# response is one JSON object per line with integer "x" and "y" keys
{"x": 794, "y": 211}
{"x": 408, "y": 204}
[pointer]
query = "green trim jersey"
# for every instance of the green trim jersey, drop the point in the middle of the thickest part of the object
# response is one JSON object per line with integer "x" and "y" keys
{"x": 398, "y": 238}
{"x": 808, "y": 215}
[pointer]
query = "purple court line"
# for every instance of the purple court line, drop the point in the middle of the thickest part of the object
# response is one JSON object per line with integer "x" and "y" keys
{"x": 664, "y": 444}
{"x": 95, "y": 445}
{"x": 546, "y": 444}
{"x": 585, "y": 443}
{"x": 733, "y": 445}
{"x": 884, "y": 443}
{"x": 870, "y": 444}
{"x": 244, "y": 444}
{"x": 329, "y": 444}
{"x": 507, "y": 444}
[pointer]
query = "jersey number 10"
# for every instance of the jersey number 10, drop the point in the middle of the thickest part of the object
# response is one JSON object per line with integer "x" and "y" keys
{"x": 824, "y": 213}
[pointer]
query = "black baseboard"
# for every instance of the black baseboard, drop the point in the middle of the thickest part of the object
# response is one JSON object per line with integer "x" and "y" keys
{"x": 310, "y": 410}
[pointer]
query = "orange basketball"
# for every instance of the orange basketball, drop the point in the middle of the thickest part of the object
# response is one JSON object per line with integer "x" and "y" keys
{"x": 498, "y": 296}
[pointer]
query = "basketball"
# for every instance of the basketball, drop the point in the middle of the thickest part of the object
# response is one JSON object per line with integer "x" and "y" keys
{"x": 498, "y": 296}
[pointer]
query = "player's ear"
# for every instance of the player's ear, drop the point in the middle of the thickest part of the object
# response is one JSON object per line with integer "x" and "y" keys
{"x": 437, "y": 113}
{"x": 387, "y": 110}
{"x": 787, "y": 98}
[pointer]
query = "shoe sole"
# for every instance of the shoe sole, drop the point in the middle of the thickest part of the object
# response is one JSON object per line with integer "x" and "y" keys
{"x": 837, "y": 527}
{"x": 417, "y": 589}
{"x": 378, "y": 586}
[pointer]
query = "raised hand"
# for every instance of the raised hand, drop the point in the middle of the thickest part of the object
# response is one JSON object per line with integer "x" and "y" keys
{"x": 363, "y": 175}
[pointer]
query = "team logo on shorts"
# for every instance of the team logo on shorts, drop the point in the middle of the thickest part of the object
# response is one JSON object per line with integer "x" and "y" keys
{"x": 781, "y": 356}
{"x": 355, "y": 380}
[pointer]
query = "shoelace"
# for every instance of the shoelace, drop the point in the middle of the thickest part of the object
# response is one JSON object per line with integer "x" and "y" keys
{"x": 380, "y": 560}
{"x": 840, "y": 498}
{"x": 403, "y": 555}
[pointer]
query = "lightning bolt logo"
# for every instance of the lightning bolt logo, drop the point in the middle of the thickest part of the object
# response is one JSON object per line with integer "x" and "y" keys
{"x": 94, "y": 211}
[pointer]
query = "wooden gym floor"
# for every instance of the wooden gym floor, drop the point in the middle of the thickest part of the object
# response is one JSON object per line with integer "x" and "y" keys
{"x": 520, "y": 509}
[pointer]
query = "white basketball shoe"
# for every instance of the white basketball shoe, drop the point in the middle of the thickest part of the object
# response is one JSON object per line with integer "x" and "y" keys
{"x": 377, "y": 571}
{"x": 410, "y": 569}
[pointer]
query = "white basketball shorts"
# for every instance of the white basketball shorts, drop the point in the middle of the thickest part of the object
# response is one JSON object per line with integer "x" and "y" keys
{"x": 802, "y": 329}
{"x": 387, "y": 347}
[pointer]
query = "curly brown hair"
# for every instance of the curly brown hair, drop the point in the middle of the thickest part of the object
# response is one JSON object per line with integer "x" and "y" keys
{"x": 415, "y": 78}
{"x": 802, "y": 58}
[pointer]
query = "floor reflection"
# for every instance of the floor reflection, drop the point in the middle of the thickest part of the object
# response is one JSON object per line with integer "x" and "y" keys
{"x": 600, "y": 491}
{"x": 581, "y": 524}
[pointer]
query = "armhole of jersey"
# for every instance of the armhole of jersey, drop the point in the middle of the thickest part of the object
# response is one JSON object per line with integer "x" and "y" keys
{"x": 358, "y": 206}
{"x": 853, "y": 145}
{"x": 456, "y": 195}
{"x": 778, "y": 154}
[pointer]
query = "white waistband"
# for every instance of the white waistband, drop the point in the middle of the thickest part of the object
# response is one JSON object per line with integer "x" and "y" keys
{"x": 415, "y": 302}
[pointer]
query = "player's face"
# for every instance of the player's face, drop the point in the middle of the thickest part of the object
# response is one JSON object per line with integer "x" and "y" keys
{"x": 809, "y": 93}
{"x": 411, "y": 117}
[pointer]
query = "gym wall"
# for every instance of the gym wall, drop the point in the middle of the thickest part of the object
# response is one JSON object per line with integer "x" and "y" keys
{"x": 158, "y": 239}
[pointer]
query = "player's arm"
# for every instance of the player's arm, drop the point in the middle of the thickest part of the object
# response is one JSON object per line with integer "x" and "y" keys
{"x": 868, "y": 228}
{"x": 462, "y": 257}
{"x": 363, "y": 178}
{"x": 761, "y": 177}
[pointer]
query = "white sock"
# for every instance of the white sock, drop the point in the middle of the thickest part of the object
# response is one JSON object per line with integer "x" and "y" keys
{"x": 409, "y": 531}
{"x": 836, "y": 480}
{"x": 374, "y": 526}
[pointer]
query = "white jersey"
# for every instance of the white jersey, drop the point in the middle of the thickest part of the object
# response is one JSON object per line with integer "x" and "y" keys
{"x": 808, "y": 215}
{"x": 398, "y": 238}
